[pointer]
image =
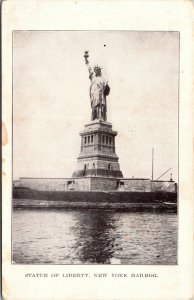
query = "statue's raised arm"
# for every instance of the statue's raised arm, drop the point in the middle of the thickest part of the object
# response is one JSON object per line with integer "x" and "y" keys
{"x": 99, "y": 89}
{"x": 86, "y": 55}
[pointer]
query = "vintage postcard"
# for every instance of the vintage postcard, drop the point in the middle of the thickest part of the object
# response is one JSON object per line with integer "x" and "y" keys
{"x": 97, "y": 150}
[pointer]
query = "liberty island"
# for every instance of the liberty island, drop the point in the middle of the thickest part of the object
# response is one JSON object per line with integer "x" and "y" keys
{"x": 98, "y": 168}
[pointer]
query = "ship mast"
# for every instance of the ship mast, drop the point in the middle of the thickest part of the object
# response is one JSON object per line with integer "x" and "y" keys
{"x": 152, "y": 163}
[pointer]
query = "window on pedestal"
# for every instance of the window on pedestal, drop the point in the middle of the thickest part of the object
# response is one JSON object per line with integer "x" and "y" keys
{"x": 85, "y": 167}
{"x": 94, "y": 169}
{"x": 103, "y": 138}
{"x": 91, "y": 138}
{"x": 85, "y": 140}
{"x": 109, "y": 167}
{"x": 88, "y": 139}
{"x": 106, "y": 139}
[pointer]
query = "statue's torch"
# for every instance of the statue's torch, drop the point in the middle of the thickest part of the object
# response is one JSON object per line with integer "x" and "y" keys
{"x": 86, "y": 55}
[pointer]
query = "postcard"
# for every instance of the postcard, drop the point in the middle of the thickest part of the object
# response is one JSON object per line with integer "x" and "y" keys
{"x": 97, "y": 150}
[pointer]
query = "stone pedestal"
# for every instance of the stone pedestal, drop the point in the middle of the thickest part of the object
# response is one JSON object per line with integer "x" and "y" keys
{"x": 97, "y": 155}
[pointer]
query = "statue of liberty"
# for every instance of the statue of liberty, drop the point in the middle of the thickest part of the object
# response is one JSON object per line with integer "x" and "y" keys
{"x": 99, "y": 89}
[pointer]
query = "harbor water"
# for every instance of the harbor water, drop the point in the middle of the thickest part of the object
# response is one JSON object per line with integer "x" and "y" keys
{"x": 93, "y": 237}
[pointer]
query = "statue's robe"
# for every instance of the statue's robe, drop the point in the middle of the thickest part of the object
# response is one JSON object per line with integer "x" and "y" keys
{"x": 97, "y": 88}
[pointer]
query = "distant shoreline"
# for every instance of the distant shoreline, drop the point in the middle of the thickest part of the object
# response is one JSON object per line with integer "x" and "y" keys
{"x": 119, "y": 201}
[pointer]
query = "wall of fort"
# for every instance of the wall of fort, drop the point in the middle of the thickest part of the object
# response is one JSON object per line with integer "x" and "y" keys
{"x": 163, "y": 186}
{"x": 56, "y": 184}
{"x": 44, "y": 184}
{"x": 135, "y": 185}
{"x": 104, "y": 184}
{"x": 95, "y": 183}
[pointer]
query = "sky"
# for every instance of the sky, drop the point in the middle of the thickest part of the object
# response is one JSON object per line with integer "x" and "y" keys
{"x": 51, "y": 101}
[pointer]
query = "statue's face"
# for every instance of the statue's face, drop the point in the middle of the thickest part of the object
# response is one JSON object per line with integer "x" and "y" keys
{"x": 97, "y": 73}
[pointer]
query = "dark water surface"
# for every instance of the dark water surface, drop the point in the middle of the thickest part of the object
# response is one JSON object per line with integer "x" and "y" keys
{"x": 93, "y": 237}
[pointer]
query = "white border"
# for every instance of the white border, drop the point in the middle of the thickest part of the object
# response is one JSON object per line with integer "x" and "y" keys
{"x": 173, "y": 282}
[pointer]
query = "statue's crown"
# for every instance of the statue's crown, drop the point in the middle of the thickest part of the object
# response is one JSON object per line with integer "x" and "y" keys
{"x": 97, "y": 69}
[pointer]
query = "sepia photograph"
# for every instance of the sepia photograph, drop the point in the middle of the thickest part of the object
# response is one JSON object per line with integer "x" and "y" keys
{"x": 95, "y": 144}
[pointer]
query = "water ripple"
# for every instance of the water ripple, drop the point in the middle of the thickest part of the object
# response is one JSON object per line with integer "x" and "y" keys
{"x": 93, "y": 237}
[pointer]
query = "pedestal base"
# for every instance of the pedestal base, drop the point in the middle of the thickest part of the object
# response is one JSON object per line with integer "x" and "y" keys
{"x": 97, "y": 156}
